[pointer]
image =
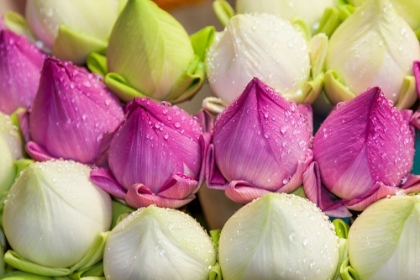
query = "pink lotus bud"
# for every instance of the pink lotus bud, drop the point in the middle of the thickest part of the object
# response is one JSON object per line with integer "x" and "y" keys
{"x": 363, "y": 151}
{"x": 261, "y": 143}
{"x": 416, "y": 70}
{"x": 155, "y": 156}
{"x": 20, "y": 67}
{"x": 73, "y": 114}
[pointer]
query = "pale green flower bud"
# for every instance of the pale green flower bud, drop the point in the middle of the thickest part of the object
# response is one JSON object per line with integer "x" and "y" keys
{"x": 10, "y": 150}
{"x": 158, "y": 243}
{"x": 278, "y": 236}
{"x": 373, "y": 47}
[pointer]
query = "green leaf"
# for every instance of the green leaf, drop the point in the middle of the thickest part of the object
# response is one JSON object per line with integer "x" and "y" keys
{"x": 223, "y": 10}
{"x": 96, "y": 62}
{"x": 74, "y": 45}
{"x": 335, "y": 90}
{"x": 201, "y": 40}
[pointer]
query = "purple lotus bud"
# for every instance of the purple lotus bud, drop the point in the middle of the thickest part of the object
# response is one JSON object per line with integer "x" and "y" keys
{"x": 73, "y": 114}
{"x": 416, "y": 70}
{"x": 363, "y": 151}
{"x": 20, "y": 67}
{"x": 155, "y": 156}
{"x": 261, "y": 143}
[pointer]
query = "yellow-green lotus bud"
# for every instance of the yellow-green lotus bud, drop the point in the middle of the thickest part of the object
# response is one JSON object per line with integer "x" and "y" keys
{"x": 10, "y": 150}
{"x": 409, "y": 10}
{"x": 158, "y": 243}
{"x": 309, "y": 11}
{"x": 384, "y": 241}
{"x": 53, "y": 214}
{"x": 373, "y": 47}
{"x": 72, "y": 28}
{"x": 149, "y": 54}
{"x": 278, "y": 236}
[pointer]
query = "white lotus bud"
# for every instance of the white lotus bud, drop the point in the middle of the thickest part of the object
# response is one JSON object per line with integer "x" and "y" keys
{"x": 158, "y": 243}
{"x": 278, "y": 236}
{"x": 10, "y": 150}
{"x": 53, "y": 213}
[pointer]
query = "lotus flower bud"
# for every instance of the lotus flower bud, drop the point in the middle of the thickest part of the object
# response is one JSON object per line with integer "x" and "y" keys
{"x": 151, "y": 55}
{"x": 310, "y": 12}
{"x": 363, "y": 151}
{"x": 158, "y": 243}
{"x": 72, "y": 29}
{"x": 155, "y": 157}
{"x": 383, "y": 243}
{"x": 53, "y": 213}
{"x": 261, "y": 143}
{"x": 407, "y": 9}
{"x": 373, "y": 47}
{"x": 262, "y": 46}
{"x": 72, "y": 116}
{"x": 278, "y": 236}
{"x": 10, "y": 150}
{"x": 20, "y": 68}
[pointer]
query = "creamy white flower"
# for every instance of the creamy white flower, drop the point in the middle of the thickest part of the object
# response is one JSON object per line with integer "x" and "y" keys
{"x": 158, "y": 243}
{"x": 53, "y": 213}
{"x": 310, "y": 11}
{"x": 384, "y": 242}
{"x": 278, "y": 236}
{"x": 373, "y": 47}
{"x": 258, "y": 45}
{"x": 10, "y": 150}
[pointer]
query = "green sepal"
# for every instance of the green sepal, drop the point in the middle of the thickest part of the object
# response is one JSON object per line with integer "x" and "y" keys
{"x": 15, "y": 260}
{"x": 214, "y": 105}
{"x": 318, "y": 48}
{"x": 301, "y": 26}
{"x": 417, "y": 33}
{"x": 343, "y": 2}
{"x": 93, "y": 256}
{"x": 201, "y": 40}
{"x": 18, "y": 24}
{"x": 313, "y": 89}
{"x": 347, "y": 272}
{"x": 95, "y": 271}
{"x": 408, "y": 93}
{"x": 329, "y": 22}
{"x": 224, "y": 11}
{"x": 343, "y": 251}
{"x": 3, "y": 199}
{"x": 335, "y": 90}
{"x": 19, "y": 275}
{"x": 215, "y": 236}
{"x": 215, "y": 272}
{"x": 345, "y": 11}
{"x": 21, "y": 164}
{"x": 341, "y": 228}
{"x": 96, "y": 62}
{"x": 119, "y": 212}
{"x": 299, "y": 192}
{"x": 15, "y": 121}
{"x": 71, "y": 45}
{"x": 120, "y": 87}
{"x": 189, "y": 83}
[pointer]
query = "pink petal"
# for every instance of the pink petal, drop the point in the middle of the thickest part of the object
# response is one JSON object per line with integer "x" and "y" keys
{"x": 363, "y": 141}
{"x": 36, "y": 152}
{"x": 411, "y": 184}
{"x": 20, "y": 66}
{"x": 104, "y": 179}
{"x": 179, "y": 187}
{"x": 416, "y": 71}
{"x": 260, "y": 138}
{"x": 214, "y": 177}
{"x": 205, "y": 120}
{"x": 155, "y": 141}
{"x": 379, "y": 191}
{"x": 139, "y": 195}
{"x": 306, "y": 111}
{"x": 319, "y": 195}
{"x": 243, "y": 192}
{"x": 23, "y": 118}
{"x": 72, "y": 112}
{"x": 296, "y": 180}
